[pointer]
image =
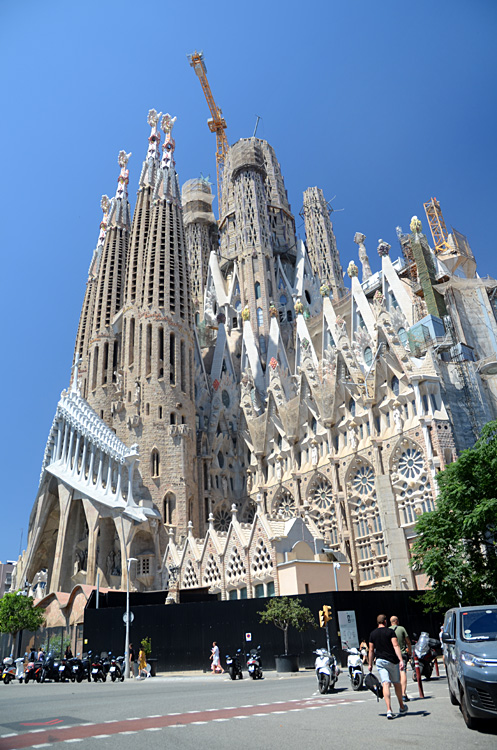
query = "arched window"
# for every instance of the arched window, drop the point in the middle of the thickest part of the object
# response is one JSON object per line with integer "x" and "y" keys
{"x": 283, "y": 299}
{"x": 257, "y": 290}
{"x": 155, "y": 463}
{"x": 260, "y": 316}
{"x": 394, "y": 384}
{"x": 262, "y": 345}
{"x": 308, "y": 297}
{"x": 368, "y": 356}
{"x": 352, "y": 407}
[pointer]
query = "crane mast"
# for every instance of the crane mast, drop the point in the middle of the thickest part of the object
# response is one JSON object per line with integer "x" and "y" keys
{"x": 216, "y": 123}
{"x": 437, "y": 225}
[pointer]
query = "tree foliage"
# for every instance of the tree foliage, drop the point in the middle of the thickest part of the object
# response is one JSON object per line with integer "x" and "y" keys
{"x": 17, "y": 613}
{"x": 457, "y": 543}
{"x": 283, "y": 612}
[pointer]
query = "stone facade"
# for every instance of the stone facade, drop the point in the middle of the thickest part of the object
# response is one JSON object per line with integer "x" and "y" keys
{"x": 231, "y": 402}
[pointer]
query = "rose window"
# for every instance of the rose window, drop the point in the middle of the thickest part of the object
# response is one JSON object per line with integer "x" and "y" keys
{"x": 322, "y": 497}
{"x": 222, "y": 519}
{"x": 286, "y": 507}
{"x": 363, "y": 481}
{"x": 411, "y": 463}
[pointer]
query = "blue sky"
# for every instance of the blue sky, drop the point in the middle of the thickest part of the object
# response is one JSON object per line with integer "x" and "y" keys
{"x": 382, "y": 105}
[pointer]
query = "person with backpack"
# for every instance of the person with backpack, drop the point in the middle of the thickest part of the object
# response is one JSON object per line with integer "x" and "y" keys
{"x": 384, "y": 646}
{"x": 406, "y": 648}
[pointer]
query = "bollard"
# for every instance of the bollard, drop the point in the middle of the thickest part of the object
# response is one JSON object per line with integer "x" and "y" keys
{"x": 418, "y": 675}
{"x": 436, "y": 668}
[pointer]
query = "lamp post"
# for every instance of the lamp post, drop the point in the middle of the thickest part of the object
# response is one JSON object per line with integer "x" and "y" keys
{"x": 126, "y": 644}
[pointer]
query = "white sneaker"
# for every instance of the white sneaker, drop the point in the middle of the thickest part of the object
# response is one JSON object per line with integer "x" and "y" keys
{"x": 390, "y": 715}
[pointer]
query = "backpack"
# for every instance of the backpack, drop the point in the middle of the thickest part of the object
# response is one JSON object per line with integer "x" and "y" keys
{"x": 372, "y": 683}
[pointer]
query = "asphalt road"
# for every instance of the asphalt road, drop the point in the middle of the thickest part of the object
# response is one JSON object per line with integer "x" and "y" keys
{"x": 211, "y": 711}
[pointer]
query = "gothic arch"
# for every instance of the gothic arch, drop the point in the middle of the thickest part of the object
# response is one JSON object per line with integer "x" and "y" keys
{"x": 323, "y": 508}
{"x": 169, "y": 509}
{"x": 411, "y": 481}
{"x": 109, "y": 561}
{"x": 367, "y": 528}
{"x": 284, "y": 504}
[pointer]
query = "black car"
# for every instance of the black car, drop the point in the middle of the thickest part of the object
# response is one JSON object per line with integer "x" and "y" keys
{"x": 470, "y": 654}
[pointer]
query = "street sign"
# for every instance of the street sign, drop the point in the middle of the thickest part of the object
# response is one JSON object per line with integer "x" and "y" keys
{"x": 348, "y": 628}
{"x": 125, "y": 617}
{"x": 248, "y": 637}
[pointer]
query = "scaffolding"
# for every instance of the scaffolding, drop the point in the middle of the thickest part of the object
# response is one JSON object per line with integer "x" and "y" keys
{"x": 437, "y": 226}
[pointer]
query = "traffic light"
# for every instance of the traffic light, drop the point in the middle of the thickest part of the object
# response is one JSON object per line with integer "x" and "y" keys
{"x": 326, "y": 613}
{"x": 321, "y": 619}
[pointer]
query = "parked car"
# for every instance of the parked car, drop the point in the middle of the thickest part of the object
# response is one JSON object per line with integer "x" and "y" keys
{"x": 470, "y": 654}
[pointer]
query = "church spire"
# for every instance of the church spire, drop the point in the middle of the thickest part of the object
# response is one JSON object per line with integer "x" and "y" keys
{"x": 119, "y": 214}
{"x": 167, "y": 184}
{"x": 152, "y": 158}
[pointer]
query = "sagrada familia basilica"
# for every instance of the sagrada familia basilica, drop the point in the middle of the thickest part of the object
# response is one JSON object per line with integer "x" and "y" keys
{"x": 238, "y": 419}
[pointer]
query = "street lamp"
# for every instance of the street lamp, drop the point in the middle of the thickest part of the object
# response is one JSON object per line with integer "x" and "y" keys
{"x": 126, "y": 644}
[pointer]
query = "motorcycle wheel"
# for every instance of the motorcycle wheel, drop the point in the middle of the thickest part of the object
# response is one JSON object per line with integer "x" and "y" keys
{"x": 104, "y": 677}
{"x": 232, "y": 673}
{"x": 26, "y": 679}
{"x": 7, "y": 678}
{"x": 356, "y": 681}
{"x": 79, "y": 678}
{"x": 89, "y": 677}
{"x": 428, "y": 671}
{"x": 240, "y": 674}
{"x": 324, "y": 683}
{"x": 122, "y": 678}
{"x": 113, "y": 677}
{"x": 95, "y": 678}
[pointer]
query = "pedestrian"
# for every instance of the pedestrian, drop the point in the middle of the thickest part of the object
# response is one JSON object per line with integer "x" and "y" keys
{"x": 406, "y": 648}
{"x": 384, "y": 646}
{"x": 363, "y": 650}
{"x": 142, "y": 665}
{"x": 132, "y": 660}
{"x": 41, "y": 655}
{"x": 68, "y": 653}
{"x": 32, "y": 656}
{"x": 216, "y": 662}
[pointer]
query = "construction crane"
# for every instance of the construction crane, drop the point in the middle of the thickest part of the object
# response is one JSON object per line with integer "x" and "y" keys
{"x": 216, "y": 123}
{"x": 437, "y": 225}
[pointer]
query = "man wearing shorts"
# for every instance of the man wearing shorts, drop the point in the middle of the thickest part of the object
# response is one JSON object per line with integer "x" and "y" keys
{"x": 405, "y": 646}
{"x": 383, "y": 646}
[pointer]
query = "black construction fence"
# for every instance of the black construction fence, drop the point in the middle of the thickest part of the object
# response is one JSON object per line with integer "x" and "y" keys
{"x": 182, "y": 634}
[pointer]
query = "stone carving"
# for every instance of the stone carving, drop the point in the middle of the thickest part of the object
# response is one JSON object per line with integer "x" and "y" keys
{"x": 352, "y": 270}
{"x": 137, "y": 392}
{"x": 153, "y": 117}
{"x": 415, "y": 225}
{"x": 363, "y": 256}
{"x": 105, "y": 204}
{"x": 314, "y": 453}
{"x": 278, "y": 468}
{"x": 123, "y": 158}
{"x": 397, "y": 418}
{"x": 167, "y": 123}
{"x": 383, "y": 248}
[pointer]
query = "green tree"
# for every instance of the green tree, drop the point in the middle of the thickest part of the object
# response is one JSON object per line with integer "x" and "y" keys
{"x": 457, "y": 543}
{"x": 283, "y": 612}
{"x": 17, "y": 613}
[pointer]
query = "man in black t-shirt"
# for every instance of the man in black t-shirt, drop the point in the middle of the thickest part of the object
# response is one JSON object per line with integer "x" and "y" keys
{"x": 383, "y": 646}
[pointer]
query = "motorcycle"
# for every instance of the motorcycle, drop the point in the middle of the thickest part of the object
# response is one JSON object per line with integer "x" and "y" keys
{"x": 81, "y": 668}
{"x": 427, "y": 649}
{"x": 65, "y": 670}
{"x": 49, "y": 669}
{"x": 13, "y": 669}
{"x": 98, "y": 671}
{"x": 33, "y": 671}
{"x": 116, "y": 669}
{"x": 254, "y": 663}
{"x": 234, "y": 665}
{"x": 327, "y": 670}
{"x": 354, "y": 666}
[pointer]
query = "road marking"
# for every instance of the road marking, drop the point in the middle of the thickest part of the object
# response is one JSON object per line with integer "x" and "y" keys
{"x": 130, "y": 732}
{"x": 76, "y": 739}
{"x": 246, "y": 717}
{"x": 154, "y": 729}
{"x": 199, "y": 722}
{"x": 45, "y": 744}
{"x": 89, "y": 724}
{"x": 100, "y": 736}
{"x": 156, "y": 716}
{"x": 14, "y": 734}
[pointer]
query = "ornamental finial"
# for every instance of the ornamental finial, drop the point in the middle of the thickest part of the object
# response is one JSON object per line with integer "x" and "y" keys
{"x": 153, "y": 117}
{"x": 105, "y": 204}
{"x": 415, "y": 225}
{"x": 352, "y": 270}
{"x": 123, "y": 158}
{"x": 167, "y": 123}
{"x": 383, "y": 248}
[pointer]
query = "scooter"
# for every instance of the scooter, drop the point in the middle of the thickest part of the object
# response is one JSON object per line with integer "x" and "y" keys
{"x": 327, "y": 670}
{"x": 427, "y": 649}
{"x": 116, "y": 669}
{"x": 81, "y": 668}
{"x": 354, "y": 666}
{"x": 98, "y": 669}
{"x": 33, "y": 671}
{"x": 13, "y": 669}
{"x": 49, "y": 669}
{"x": 234, "y": 665}
{"x": 254, "y": 663}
